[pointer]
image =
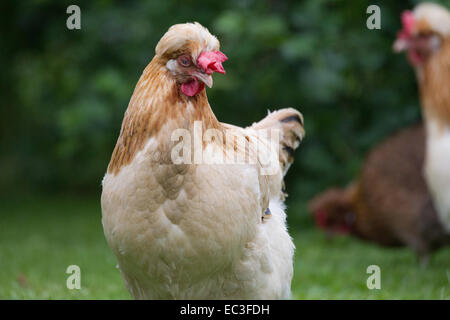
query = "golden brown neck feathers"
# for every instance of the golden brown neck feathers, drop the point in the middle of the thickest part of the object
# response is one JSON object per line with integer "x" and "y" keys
{"x": 156, "y": 108}
{"x": 435, "y": 85}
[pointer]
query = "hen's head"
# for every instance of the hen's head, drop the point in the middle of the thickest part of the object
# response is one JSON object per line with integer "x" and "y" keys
{"x": 332, "y": 211}
{"x": 191, "y": 54}
{"x": 424, "y": 30}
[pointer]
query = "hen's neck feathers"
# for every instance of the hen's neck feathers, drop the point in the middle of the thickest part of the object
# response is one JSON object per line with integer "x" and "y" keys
{"x": 434, "y": 83}
{"x": 156, "y": 108}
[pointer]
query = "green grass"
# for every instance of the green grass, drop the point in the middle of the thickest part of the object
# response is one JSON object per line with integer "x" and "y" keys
{"x": 41, "y": 237}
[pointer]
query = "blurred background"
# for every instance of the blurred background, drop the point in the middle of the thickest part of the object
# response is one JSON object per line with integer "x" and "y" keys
{"x": 64, "y": 93}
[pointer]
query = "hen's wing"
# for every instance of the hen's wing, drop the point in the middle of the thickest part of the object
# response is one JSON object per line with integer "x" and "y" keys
{"x": 290, "y": 124}
{"x": 276, "y": 136}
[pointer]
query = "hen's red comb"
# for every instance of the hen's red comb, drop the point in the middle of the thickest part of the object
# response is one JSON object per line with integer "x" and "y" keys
{"x": 408, "y": 22}
{"x": 211, "y": 61}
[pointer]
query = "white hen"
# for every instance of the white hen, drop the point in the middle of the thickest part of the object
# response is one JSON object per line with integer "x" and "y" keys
{"x": 197, "y": 230}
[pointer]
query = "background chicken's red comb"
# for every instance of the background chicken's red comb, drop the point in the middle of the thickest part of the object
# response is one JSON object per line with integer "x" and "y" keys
{"x": 407, "y": 22}
{"x": 321, "y": 218}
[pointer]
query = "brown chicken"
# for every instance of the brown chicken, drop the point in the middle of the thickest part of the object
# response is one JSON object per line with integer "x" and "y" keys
{"x": 389, "y": 204}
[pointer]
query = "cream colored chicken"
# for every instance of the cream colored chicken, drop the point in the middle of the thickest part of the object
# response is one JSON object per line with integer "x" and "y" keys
{"x": 426, "y": 38}
{"x": 197, "y": 229}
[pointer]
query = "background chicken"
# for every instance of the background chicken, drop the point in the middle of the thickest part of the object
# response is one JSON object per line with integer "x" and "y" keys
{"x": 389, "y": 204}
{"x": 426, "y": 38}
{"x": 190, "y": 231}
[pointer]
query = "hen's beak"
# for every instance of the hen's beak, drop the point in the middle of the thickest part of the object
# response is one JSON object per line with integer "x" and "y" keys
{"x": 205, "y": 78}
{"x": 401, "y": 44}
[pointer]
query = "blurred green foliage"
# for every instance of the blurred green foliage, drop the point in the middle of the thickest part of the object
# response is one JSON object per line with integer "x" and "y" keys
{"x": 64, "y": 92}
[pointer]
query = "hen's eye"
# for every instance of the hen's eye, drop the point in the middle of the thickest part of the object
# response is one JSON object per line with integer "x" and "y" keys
{"x": 424, "y": 35}
{"x": 185, "y": 61}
